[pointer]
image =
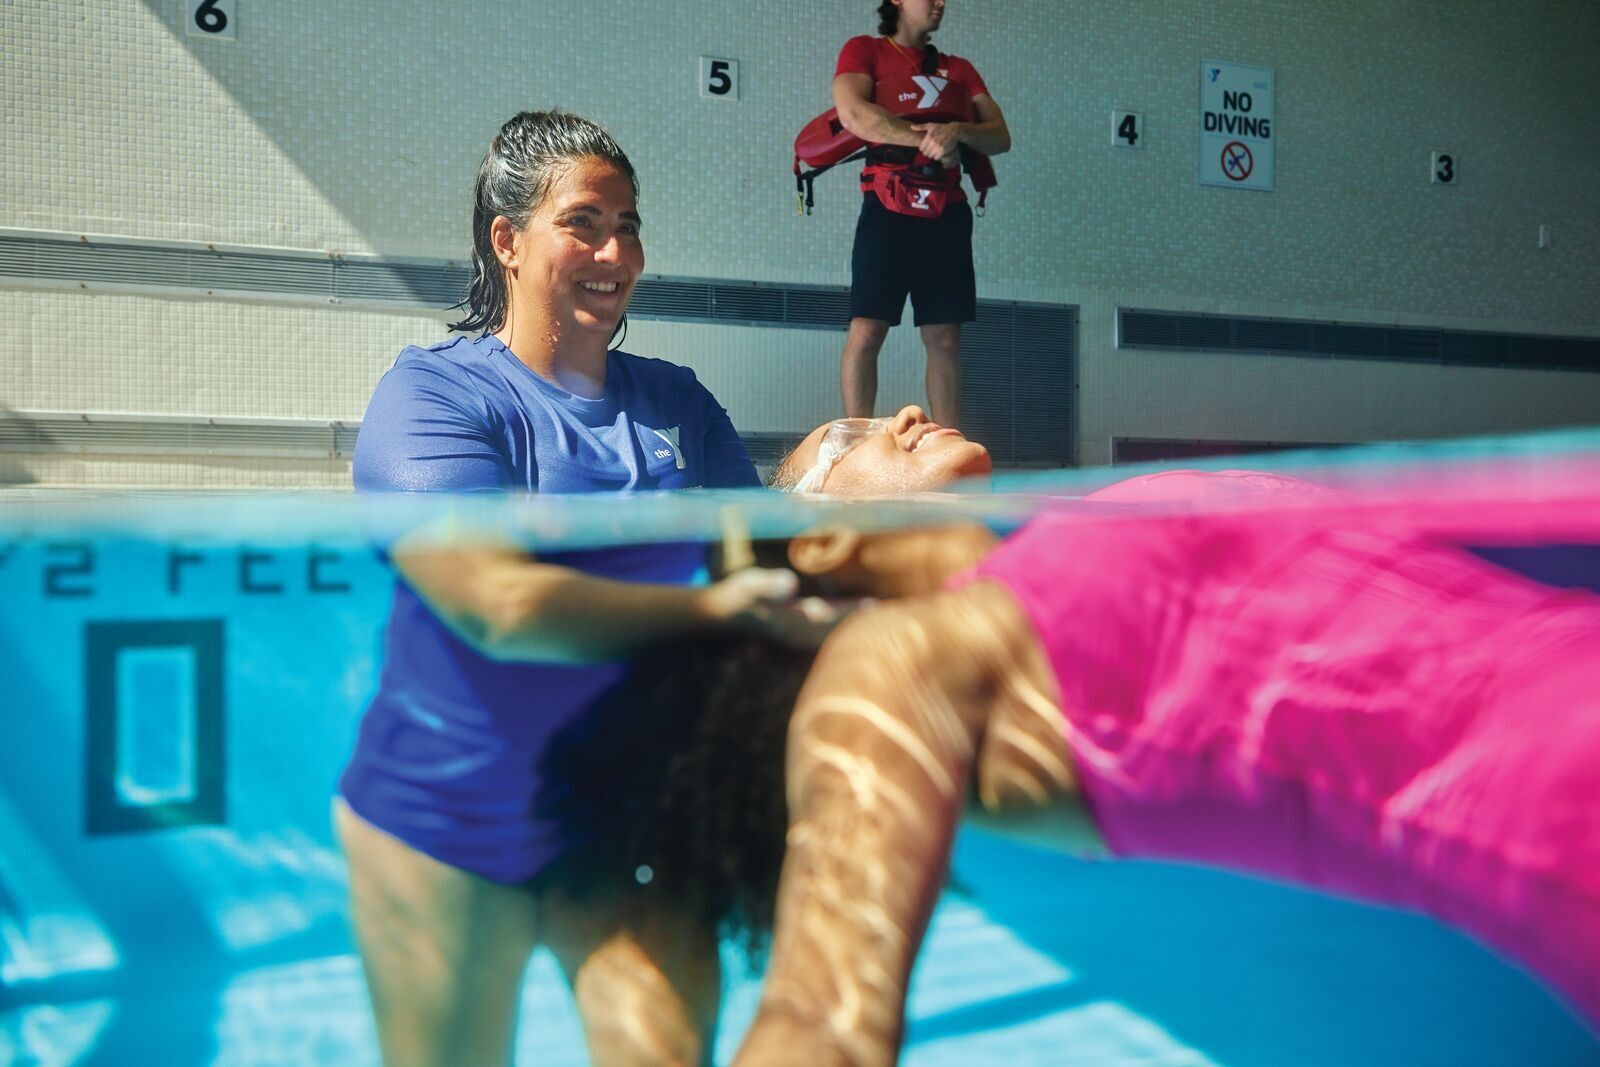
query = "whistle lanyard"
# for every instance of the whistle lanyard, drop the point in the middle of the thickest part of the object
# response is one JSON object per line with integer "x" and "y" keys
{"x": 915, "y": 64}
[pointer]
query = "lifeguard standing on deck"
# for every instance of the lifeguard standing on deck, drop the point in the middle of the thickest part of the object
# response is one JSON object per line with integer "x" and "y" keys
{"x": 914, "y": 235}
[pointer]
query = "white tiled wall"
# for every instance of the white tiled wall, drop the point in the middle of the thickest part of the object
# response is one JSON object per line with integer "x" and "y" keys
{"x": 125, "y": 353}
{"x": 356, "y": 127}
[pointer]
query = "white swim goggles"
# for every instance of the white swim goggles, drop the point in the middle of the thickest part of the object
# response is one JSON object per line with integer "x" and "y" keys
{"x": 842, "y": 435}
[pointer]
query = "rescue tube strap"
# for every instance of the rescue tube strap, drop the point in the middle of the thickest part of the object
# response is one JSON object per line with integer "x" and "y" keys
{"x": 805, "y": 181}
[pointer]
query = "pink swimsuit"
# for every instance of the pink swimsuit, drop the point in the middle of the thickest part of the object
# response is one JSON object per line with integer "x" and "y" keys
{"x": 1326, "y": 689}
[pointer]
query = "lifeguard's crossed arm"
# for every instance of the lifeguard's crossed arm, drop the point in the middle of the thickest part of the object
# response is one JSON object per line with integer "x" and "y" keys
{"x": 852, "y": 96}
{"x": 907, "y": 705}
{"x": 989, "y": 134}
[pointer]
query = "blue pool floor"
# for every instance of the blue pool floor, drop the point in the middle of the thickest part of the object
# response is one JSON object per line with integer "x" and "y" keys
{"x": 1033, "y": 959}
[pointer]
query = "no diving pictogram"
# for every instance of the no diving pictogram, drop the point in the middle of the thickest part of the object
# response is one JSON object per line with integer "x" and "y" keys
{"x": 1237, "y": 162}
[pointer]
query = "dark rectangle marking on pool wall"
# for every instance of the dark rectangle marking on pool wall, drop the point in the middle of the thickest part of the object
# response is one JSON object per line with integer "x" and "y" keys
{"x": 107, "y": 808}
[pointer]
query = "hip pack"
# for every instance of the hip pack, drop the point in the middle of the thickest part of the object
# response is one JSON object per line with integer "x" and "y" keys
{"x": 909, "y": 183}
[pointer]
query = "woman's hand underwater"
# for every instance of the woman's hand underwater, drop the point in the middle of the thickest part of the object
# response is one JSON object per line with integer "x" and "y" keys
{"x": 763, "y": 600}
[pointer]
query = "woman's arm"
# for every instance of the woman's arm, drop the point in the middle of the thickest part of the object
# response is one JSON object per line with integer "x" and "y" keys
{"x": 426, "y": 430}
{"x": 509, "y": 606}
{"x": 727, "y": 461}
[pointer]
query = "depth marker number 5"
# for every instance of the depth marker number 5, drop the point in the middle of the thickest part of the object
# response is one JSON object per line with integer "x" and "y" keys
{"x": 719, "y": 78}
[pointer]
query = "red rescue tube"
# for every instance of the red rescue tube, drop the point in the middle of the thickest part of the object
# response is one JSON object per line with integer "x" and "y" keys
{"x": 824, "y": 141}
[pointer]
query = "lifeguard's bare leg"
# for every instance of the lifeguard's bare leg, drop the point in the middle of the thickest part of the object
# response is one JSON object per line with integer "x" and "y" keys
{"x": 858, "y": 367}
{"x": 943, "y": 344}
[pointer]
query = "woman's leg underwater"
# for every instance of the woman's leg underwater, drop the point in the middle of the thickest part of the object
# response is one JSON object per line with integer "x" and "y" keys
{"x": 444, "y": 951}
{"x": 648, "y": 984}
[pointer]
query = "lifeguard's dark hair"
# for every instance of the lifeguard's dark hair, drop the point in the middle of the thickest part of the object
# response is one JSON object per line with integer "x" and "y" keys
{"x": 531, "y": 150}
{"x": 888, "y": 19}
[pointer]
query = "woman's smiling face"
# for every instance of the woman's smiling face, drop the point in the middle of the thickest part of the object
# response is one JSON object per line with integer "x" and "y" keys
{"x": 580, "y": 254}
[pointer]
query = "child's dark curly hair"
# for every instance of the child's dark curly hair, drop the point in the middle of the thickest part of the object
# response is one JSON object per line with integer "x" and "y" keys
{"x": 678, "y": 772}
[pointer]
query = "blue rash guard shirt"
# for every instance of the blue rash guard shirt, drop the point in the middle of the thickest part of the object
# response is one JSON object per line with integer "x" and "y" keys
{"x": 449, "y": 754}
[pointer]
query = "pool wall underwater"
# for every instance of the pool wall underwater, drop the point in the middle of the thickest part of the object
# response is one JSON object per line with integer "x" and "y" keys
{"x": 174, "y": 713}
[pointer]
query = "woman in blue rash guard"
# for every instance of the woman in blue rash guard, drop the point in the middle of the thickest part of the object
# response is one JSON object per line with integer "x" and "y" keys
{"x": 490, "y": 653}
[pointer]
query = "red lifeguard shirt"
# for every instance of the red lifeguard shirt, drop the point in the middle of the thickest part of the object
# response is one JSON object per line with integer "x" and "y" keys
{"x": 879, "y": 58}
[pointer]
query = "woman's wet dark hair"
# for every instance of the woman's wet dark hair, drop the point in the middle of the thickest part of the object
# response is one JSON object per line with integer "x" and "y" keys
{"x": 888, "y": 19}
{"x": 524, "y": 160}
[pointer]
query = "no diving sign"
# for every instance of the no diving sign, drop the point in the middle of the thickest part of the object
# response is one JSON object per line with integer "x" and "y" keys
{"x": 1236, "y": 125}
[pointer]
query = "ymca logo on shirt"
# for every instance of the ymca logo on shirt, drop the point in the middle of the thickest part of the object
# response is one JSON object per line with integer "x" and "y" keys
{"x": 931, "y": 88}
{"x": 662, "y": 444}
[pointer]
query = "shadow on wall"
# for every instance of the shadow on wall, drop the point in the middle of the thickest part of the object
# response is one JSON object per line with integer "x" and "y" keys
{"x": 18, "y": 433}
{"x": 388, "y": 134}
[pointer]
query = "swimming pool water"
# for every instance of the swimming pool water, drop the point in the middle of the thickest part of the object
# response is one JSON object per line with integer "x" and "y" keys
{"x": 173, "y": 715}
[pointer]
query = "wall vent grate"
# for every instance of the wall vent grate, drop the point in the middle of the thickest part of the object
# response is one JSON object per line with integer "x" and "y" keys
{"x": 1186, "y": 331}
{"x": 155, "y": 435}
{"x": 1020, "y": 359}
{"x": 174, "y": 435}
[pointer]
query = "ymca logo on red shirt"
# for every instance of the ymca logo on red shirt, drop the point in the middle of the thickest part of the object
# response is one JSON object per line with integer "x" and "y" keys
{"x": 931, "y": 88}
